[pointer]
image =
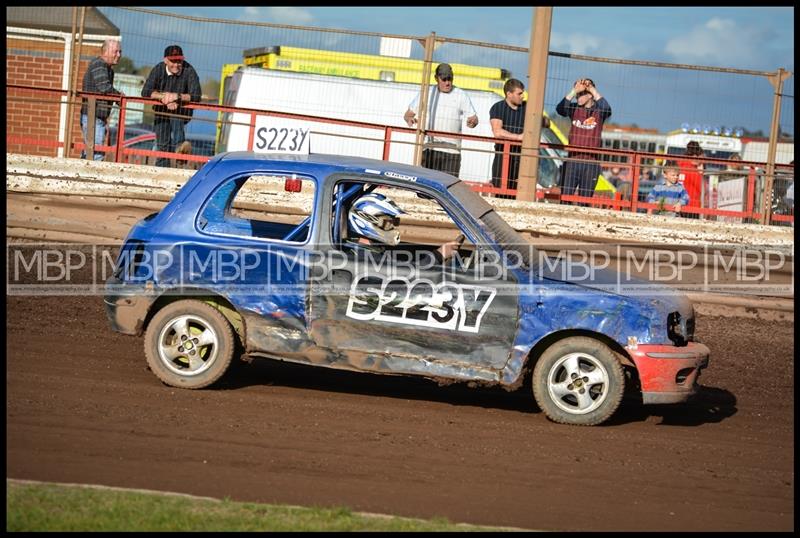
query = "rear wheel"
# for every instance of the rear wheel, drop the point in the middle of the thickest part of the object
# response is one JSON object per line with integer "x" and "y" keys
{"x": 578, "y": 381}
{"x": 189, "y": 344}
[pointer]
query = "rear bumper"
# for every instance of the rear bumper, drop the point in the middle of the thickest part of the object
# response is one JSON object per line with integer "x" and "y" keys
{"x": 668, "y": 374}
{"x": 127, "y": 306}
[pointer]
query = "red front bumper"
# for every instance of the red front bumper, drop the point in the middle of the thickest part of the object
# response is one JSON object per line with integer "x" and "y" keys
{"x": 668, "y": 374}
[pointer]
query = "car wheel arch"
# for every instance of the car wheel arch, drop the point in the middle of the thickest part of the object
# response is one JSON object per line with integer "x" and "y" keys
{"x": 219, "y": 302}
{"x": 539, "y": 347}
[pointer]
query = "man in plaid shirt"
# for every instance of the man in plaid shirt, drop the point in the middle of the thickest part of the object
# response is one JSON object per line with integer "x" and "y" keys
{"x": 173, "y": 82}
{"x": 99, "y": 78}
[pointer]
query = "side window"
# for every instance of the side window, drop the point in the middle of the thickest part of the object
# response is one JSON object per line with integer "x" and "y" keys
{"x": 272, "y": 207}
{"x": 423, "y": 224}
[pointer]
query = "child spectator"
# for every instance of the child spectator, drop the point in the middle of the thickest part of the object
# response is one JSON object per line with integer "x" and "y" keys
{"x": 668, "y": 194}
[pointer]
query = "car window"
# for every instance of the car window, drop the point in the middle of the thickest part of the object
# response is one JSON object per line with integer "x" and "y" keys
{"x": 273, "y": 207}
{"x": 423, "y": 224}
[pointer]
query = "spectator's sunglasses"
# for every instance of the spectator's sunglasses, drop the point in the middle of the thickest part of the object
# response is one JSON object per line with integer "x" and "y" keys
{"x": 446, "y": 79}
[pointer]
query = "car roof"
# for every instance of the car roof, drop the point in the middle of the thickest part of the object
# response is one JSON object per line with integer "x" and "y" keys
{"x": 343, "y": 163}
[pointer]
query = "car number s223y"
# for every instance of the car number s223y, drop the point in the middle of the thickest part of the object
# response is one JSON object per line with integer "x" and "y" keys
{"x": 281, "y": 139}
{"x": 422, "y": 302}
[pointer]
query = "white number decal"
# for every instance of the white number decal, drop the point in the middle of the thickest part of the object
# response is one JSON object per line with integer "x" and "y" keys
{"x": 419, "y": 302}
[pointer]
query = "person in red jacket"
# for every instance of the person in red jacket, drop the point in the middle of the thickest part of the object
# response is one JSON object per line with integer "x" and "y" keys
{"x": 691, "y": 175}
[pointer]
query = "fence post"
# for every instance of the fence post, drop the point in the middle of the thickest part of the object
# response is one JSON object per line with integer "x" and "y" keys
{"x": 635, "y": 171}
{"x": 422, "y": 117}
{"x": 532, "y": 126}
{"x": 66, "y": 107}
{"x": 75, "y": 68}
{"x": 387, "y": 141}
{"x": 505, "y": 167}
{"x": 90, "y": 125}
{"x": 252, "y": 133}
{"x": 751, "y": 193}
{"x": 777, "y": 82}
{"x": 123, "y": 104}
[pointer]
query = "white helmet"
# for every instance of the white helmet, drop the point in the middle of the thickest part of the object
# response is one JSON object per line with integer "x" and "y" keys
{"x": 375, "y": 216}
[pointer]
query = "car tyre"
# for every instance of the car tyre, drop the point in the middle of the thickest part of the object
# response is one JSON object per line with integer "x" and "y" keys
{"x": 578, "y": 381}
{"x": 189, "y": 344}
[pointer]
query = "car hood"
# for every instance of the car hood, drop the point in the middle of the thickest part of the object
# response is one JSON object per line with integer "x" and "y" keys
{"x": 614, "y": 282}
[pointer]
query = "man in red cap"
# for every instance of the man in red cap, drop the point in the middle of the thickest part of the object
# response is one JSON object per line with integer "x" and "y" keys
{"x": 173, "y": 82}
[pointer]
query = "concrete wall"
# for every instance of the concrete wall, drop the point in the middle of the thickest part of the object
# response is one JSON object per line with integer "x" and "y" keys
{"x": 32, "y": 174}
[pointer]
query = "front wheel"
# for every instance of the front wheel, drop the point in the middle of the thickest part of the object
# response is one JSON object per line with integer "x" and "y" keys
{"x": 189, "y": 344}
{"x": 578, "y": 381}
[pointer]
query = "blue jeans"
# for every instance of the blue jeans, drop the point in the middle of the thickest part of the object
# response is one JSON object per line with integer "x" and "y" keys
{"x": 169, "y": 135}
{"x": 99, "y": 135}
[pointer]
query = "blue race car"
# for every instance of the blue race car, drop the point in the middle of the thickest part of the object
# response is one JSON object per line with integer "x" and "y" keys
{"x": 381, "y": 267}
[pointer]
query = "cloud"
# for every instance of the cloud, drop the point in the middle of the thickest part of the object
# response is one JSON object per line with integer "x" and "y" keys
{"x": 722, "y": 42}
{"x": 278, "y": 15}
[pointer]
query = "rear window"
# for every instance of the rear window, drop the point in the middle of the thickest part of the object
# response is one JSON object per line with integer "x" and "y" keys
{"x": 259, "y": 206}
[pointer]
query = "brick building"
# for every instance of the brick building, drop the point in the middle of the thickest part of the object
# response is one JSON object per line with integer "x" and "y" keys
{"x": 39, "y": 52}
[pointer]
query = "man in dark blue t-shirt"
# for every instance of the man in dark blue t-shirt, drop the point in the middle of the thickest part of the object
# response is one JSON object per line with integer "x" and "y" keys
{"x": 507, "y": 118}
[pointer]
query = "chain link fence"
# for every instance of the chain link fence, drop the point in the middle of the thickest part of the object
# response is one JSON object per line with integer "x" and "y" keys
{"x": 364, "y": 82}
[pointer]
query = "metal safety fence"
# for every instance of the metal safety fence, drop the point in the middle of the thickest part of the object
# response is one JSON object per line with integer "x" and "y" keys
{"x": 353, "y": 89}
{"x": 631, "y": 197}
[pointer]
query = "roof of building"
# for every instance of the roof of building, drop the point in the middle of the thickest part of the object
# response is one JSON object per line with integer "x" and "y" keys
{"x": 59, "y": 19}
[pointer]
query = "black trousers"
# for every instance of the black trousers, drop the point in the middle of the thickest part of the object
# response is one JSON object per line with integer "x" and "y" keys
{"x": 450, "y": 163}
{"x": 581, "y": 175}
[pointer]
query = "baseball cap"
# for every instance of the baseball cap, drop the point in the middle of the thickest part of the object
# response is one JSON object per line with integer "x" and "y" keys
{"x": 173, "y": 52}
{"x": 444, "y": 70}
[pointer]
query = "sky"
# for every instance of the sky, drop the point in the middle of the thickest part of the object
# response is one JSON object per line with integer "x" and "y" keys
{"x": 737, "y": 37}
{"x": 747, "y": 38}
{"x": 740, "y": 37}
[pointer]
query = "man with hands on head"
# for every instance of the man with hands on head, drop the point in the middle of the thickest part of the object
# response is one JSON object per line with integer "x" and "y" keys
{"x": 587, "y": 113}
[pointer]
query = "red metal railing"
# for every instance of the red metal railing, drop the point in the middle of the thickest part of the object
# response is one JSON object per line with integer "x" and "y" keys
{"x": 633, "y": 158}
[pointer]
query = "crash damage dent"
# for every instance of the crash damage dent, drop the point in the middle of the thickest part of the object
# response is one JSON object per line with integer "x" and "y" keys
{"x": 413, "y": 358}
{"x": 555, "y": 309}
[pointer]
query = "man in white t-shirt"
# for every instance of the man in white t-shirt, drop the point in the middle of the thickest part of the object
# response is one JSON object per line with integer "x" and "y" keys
{"x": 446, "y": 107}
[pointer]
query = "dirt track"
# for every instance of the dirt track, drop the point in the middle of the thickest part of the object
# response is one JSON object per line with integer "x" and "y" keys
{"x": 82, "y": 407}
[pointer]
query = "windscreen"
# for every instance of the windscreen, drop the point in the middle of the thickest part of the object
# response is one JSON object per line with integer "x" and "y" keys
{"x": 501, "y": 232}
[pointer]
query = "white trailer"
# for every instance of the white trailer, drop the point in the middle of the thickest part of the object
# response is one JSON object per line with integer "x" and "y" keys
{"x": 756, "y": 151}
{"x": 368, "y": 101}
